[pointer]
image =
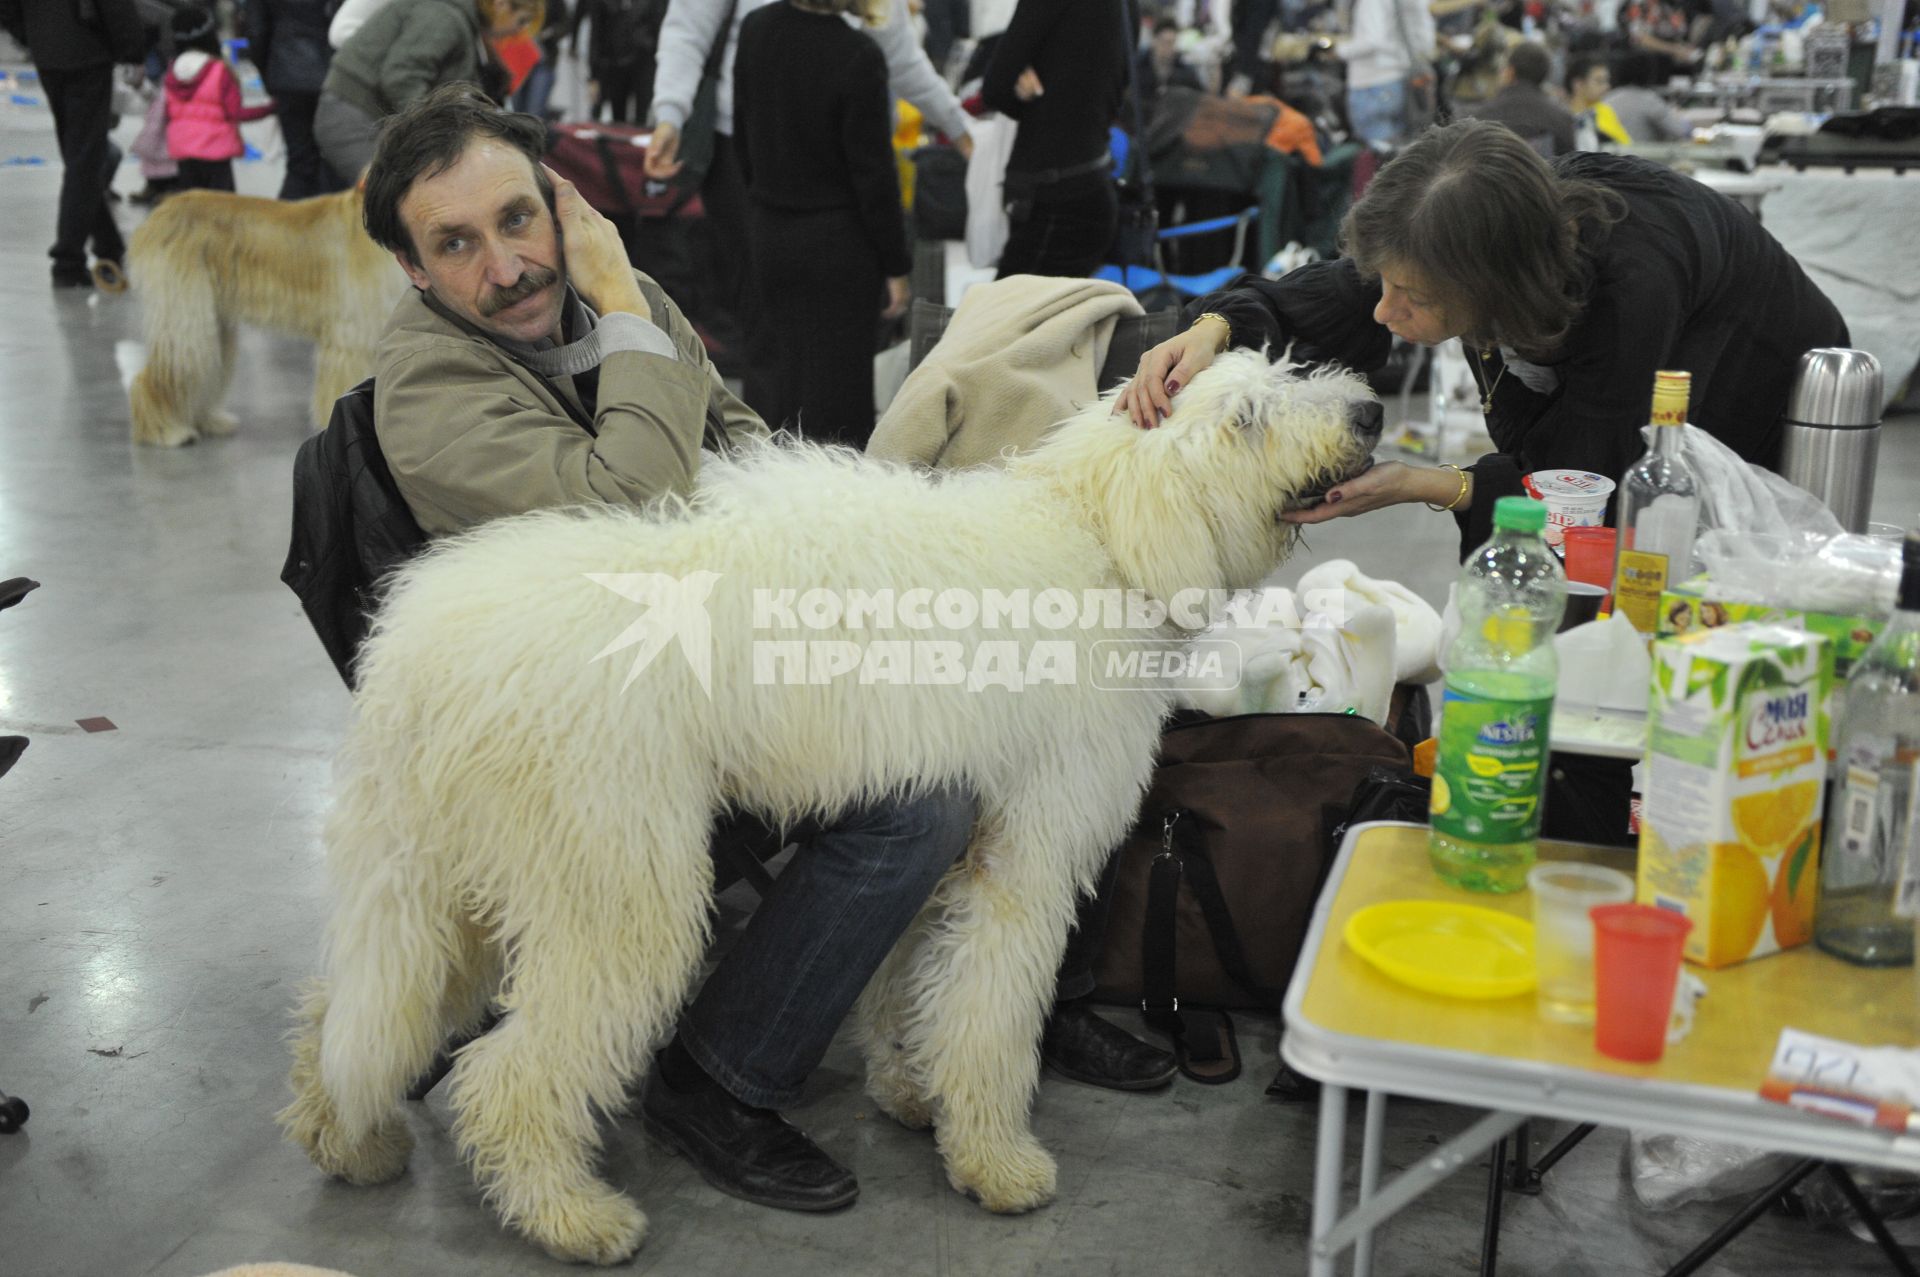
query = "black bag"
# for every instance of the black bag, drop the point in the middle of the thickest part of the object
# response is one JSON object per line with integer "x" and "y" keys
{"x": 696, "y": 136}
{"x": 939, "y": 193}
{"x": 1136, "y": 235}
{"x": 351, "y": 527}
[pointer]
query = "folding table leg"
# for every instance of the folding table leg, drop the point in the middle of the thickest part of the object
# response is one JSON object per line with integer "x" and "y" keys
{"x": 1746, "y": 1215}
{"x": 1369, "y": 1176}
{"x": 1329, "y": 1152}
{"x": 1871, "y": 1218}
{"x": 1490, "y": 1229}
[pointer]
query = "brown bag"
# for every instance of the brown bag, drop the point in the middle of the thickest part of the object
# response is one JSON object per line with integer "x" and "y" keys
{"x": 1216, "y": 884}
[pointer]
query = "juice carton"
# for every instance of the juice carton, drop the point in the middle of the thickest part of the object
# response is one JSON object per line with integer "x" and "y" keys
{"x": 1736, "y": 759}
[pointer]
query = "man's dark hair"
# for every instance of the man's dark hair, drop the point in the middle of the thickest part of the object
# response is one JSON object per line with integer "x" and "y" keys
{"x": 1478, "y": 218}
{"x": 1638, "y": 69}
{"x": 1165, "y": 24}
{"x": 1531, "y": 63}
{"x": 1582, "y": 66}
{"x": 427, "y": 138}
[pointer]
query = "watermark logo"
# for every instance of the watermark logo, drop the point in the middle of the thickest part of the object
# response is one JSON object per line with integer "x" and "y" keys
{"x": 676, "y": 610}
{"x": 1113, "y": 639}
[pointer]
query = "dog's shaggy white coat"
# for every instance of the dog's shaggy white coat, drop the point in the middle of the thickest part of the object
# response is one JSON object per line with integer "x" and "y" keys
{"x": 515, "y": 822}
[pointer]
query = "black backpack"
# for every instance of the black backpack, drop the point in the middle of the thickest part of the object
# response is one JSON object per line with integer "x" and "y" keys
{"x": 351, "y": 527}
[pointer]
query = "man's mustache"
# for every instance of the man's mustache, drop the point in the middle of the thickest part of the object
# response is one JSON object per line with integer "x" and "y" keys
{"x": 519, "y": 290}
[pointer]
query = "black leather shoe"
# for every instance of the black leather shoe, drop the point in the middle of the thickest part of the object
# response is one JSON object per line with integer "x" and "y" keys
{"x": 1079, "y": 1044}
{"x": 753, "y": 1154}
{"x": 72, "y": 277}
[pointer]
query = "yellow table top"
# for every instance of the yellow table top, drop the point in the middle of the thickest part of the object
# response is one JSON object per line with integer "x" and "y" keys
{"x": 1734, "y": 1034}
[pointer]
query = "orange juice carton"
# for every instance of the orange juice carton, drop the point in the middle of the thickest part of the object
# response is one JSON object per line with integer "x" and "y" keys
{"x": 1736, "y": 759}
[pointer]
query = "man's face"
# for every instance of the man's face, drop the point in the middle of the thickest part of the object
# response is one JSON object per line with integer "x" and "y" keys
{"x": 486, "y": 243}
{"x": 1166, "y": 44}
{"x": 1591, "y": 87}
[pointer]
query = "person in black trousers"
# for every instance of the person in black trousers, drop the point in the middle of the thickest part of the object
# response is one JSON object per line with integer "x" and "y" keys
{"x": 287, "y": 41}
{"x": 623, "y": 41}
{"x": 75, "y": 59}
{"x": 812, "y": 128}
{"x": 1061, "y": 70}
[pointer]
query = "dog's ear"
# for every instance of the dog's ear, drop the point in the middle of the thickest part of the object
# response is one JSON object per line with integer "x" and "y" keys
{"x": 1155, "y": 525}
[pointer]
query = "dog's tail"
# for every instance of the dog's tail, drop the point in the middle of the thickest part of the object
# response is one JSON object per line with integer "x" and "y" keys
{"x": 188, "y": 349}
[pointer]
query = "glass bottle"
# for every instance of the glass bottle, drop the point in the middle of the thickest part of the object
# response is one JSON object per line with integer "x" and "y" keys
{"x": 1861, "y": 916}
{"x": 1489, "y": 779}
{"x": 1659, "y": 511}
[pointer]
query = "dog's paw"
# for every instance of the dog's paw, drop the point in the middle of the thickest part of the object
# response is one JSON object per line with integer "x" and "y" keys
{"x": 376, "y": 1158}
{"x": 902, "y": 1104}
{"x": 171, "y": 436}
{"x": 1011, "y": 1180}
{"x": 606, "y": 1228}
{"x": 219, "y": 424}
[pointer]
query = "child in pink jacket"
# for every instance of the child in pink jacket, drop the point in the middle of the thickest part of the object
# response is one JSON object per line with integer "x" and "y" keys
{"x": 203, "y": 105}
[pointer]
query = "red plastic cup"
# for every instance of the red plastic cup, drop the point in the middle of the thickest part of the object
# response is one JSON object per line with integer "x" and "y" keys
{"x": 1590, "y": 554}
{"x": 1636, "y": 964}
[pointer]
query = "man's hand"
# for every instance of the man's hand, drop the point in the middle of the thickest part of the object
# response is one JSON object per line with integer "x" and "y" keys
{"x": 964, "y": 145}
{"x": 1393, "y": 483}
{"x": 663, "y": 152}
{"x": 596, "y": 259}
{"x": 898, "y": 294}
{"x": 1164, "y": 370}
{"x": 1028, "y": 86}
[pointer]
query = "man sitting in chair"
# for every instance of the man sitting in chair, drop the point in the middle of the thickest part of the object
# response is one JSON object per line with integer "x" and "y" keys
{"x": 534, "y": 368}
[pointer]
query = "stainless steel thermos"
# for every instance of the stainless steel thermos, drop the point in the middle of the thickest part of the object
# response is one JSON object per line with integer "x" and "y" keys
{"x": 1833, "y": 431}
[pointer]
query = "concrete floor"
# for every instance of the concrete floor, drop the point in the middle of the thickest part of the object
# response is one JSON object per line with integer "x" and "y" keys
{"x": 160, "y": 897}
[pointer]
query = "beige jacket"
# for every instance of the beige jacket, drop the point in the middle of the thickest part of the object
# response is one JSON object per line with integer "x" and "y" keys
{"x": 471, "y": 434}
{"x": 1020, "y": 355}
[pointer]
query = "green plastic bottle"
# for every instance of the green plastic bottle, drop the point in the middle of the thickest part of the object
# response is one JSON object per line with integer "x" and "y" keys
{"x": 1490, "y": 777}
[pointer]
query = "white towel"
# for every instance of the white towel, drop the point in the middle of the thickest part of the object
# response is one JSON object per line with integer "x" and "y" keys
{"x": 1416, "y": 624}
{"x": 1337, "y": 661}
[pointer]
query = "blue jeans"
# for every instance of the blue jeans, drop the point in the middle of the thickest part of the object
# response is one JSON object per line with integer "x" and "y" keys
{"x": 768, "y": 1012}
{"x": 536, "y": 89}
{"x": 1378, "y": 114}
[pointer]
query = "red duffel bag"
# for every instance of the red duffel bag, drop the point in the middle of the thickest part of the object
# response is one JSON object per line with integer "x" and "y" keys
{"x": 607, "y": 163}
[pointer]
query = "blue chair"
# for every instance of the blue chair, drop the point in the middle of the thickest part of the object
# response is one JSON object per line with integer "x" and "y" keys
{"x": 1145, "y": 279}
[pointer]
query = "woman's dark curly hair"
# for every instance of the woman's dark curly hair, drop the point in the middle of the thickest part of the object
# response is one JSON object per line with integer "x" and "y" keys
{"x": 1484, "y": 224}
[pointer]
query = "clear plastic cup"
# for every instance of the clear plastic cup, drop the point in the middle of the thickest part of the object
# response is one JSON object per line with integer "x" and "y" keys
{"x": 1636, "y": 964}
{"x": 1563, "y": 895}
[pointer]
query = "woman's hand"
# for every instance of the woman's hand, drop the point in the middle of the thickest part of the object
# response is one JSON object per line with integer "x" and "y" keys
{"x": 899, "y": 293}
{"x": 1393, "y": 483}
{"x": 1165, "y": 369}
{"x": 1028, "y": 86}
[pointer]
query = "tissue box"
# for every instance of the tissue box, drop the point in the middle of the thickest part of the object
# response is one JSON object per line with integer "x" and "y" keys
{"x": 1736, "y": 757}
{"x": 1691, "y": 606}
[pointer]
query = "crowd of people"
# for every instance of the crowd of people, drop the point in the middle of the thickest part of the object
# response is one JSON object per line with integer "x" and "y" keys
{"x": 531, "y": 367}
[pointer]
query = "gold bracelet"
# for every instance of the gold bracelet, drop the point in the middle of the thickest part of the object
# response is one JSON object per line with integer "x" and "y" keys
{"x": 1458, "y": 497}
{"x": 1224, "y": 341}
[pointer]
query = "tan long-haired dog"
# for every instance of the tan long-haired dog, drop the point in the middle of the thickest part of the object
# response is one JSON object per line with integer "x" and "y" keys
{"x": 209, "y": 261}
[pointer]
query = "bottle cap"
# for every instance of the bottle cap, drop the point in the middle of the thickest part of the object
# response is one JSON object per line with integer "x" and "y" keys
{"x": 1671, "y": 391}
{"x": 1519, "y": 514}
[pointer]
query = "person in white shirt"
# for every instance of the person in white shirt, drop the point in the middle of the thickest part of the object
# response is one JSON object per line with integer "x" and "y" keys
{"x": 1388, "y": 37}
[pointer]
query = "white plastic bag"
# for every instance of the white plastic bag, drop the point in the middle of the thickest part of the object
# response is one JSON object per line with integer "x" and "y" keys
{"x": 1738, "y": 496}
{"x": 1674, "y": 1170}
{"x": 987, "y": 225}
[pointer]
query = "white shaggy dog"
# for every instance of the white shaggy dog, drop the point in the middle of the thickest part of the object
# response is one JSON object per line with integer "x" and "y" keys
{"x": 519, "y": 820}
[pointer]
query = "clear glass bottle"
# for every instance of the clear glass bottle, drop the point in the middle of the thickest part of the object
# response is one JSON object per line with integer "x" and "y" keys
{"x": 1489, "y": 779}
{"x": 1659, "y": 511}
{"x": 1870, "y": 826}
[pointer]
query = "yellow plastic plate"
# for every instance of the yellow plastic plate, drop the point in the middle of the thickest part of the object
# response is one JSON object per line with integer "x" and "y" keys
{"x": 1462, "y": 951}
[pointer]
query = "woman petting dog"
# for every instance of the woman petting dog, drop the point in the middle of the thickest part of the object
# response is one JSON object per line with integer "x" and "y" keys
{"x": 1571, "y": 283}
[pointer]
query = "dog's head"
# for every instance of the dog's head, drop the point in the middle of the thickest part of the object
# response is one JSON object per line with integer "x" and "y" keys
{"x": 1196, "y": 504}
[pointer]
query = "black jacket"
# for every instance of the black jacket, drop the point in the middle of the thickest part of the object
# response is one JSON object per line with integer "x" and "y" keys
{"x": 287, "y": 40}
{"x": 59, "y": 39}
{"x": 1689, "y": 280}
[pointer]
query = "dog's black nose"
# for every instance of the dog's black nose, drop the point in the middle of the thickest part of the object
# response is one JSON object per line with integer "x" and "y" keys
{"x": 1366, "y": 418}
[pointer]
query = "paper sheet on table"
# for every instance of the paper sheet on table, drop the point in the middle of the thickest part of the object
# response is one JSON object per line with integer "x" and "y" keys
{"x": 1867, "y": 1085}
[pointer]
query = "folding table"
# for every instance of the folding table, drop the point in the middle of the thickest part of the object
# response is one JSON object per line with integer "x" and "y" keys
{"x": 1350, "y": 1027}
